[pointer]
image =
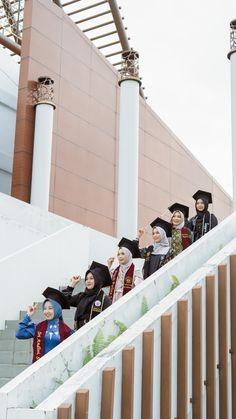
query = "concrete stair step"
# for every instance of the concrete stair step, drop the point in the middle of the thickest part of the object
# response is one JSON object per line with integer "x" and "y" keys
{"x": 10, "y": 371}
{"x": 15, "y": 357}
{"x": 4, "y": 381}
{"x": 7, "y": 334}
{"x": 7, "y": 345}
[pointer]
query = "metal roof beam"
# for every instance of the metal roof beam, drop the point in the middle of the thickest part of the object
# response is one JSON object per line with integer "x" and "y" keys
{"x": 11, "y": 45}
{"x": 98, "y": 26}
{"x": 103, "y": 35}
{"x": 93, "y": 17}
{"x": 57, "y": 2}
{"x": 91, "y": 6}
{"x": 109, "y": 45}
{"x": 119, "y": 25}
{"x": 11, "y": 20}
{"x": 113, "y": 54}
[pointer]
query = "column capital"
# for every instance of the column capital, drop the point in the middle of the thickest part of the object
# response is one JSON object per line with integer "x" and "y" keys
{"x": 130, "y": 66}
{"x": 44, "y": 91}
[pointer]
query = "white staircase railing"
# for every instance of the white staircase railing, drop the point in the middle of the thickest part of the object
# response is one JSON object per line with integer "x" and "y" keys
{"x": 30, "y": 386}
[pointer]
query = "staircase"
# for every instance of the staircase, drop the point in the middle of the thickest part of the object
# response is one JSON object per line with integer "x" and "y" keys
{"x": 15, "y": 354}
{"x": 29, "y": 395}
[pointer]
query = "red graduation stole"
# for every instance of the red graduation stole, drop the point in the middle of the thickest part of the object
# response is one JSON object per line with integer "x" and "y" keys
{"x": 38, "y": 342}
{"x": 186, "y": 239}
{"x": 128, "y": 280}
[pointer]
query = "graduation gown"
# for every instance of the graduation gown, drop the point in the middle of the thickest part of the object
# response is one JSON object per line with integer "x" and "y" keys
{"x": 100, "y": 303}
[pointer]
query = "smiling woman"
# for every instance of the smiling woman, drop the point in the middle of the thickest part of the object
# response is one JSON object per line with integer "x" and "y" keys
{"x": 52, "y": 331}
{"x": 93, "y": 300}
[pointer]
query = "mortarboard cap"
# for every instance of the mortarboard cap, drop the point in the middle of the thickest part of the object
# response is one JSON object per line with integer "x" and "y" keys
{"x": 159, "y": 222}
{"x": 179, "y": 207}
{"x": 101, "y": 272}
{"x": 131, "y": 246}
{"x": 58, "y": 296}
{"x": 203, "y": 194}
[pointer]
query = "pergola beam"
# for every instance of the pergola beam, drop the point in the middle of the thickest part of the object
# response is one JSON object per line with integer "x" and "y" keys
{"x": 10, "y": 44}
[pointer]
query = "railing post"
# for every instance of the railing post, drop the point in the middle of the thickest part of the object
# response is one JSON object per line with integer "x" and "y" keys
{"x": 210, "y": 347}
{"x": 127, "y": 407}
{"x": 182, "y": 360}
{"x": 108, "y": 386}
{"x": 166, "y": 365}
{"x": 147, "y": 374}
{"x": 197, "y": 352}
{"x": 223, "y": 341}
{"x": 82, "y": 404}
{"x": 233, "y": 329}
{"x": 64, "y": 411}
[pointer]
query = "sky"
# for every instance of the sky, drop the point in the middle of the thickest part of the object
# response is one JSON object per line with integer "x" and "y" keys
{"x": 183, "y": 48}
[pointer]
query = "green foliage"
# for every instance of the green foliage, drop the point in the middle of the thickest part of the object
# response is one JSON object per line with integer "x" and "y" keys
{"x": 122, "y": 327}
{"x": 58, "y": 381}
{"x": 110, "y": 339}
{"x": 144, "y": 307}
{"x": 99, "y": 342}
{"x": 175, "y": 282}
{"x": 88, "y": 355}
{"x": 33, "y": 404}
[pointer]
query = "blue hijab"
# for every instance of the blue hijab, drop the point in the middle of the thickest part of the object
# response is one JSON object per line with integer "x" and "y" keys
{"x": 56, "y": 307}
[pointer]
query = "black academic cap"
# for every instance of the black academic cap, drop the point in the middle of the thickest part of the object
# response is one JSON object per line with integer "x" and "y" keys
{"x": 101, "y": 272}
{"x": 132, "y": 246}
{"x": 159, "y": 222}
{"x": 59, "y": 297}
{"x": 203, "y": 194}
{"x": 179, "y": 207}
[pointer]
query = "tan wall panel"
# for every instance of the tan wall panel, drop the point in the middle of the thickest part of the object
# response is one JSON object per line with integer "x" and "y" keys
{"x": 85, "y": 131}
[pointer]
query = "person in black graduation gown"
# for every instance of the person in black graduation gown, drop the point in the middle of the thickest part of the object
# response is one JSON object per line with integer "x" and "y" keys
{"x": 159, "y": 253}
{"x": 203, "y": 221}
{"x": 93, "y": 300}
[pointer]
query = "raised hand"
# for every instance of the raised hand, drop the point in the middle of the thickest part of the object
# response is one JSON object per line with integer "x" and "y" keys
{"x": 140, "y": 233}
{"x": 31, "y": 310}
{"x": 110, "y": 262}
{"x": 74, "y": 281}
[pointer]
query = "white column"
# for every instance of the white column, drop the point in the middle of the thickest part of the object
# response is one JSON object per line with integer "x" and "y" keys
{"x": 127, "y": 199}
{"x": 41, "y": 169}
{"x": 233, "y": 122}
{"x": 232, "y": 58}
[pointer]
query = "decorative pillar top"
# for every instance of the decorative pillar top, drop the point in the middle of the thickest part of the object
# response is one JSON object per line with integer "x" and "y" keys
{"x": 44, "y": 91}
{"x": 232, "y": 38}
{"x": 130, "y": 66}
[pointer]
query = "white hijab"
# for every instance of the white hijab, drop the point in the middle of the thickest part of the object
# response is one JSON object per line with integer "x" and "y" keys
{"x": 128, "y": 261}
{"x": 161, "y": 248}
{"x": 181, "y": 224}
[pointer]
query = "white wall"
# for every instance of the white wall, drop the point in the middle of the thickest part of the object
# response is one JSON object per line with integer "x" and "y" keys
{"x": 9, "y": 76}
{"x": 41, "y": 249}
{"x": 31, "y": 384}
{"x": 22, "y": 224}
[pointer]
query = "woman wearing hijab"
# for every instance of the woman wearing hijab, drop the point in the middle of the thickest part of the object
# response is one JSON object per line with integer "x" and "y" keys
{"x": 125, "y": 276}
{"x": 181, "y": 236}
{"x": 159, "y": 253}
{"x": 203, "y": 221}
{"x": 50, "y": 332}
{"x": 93, "y": 300}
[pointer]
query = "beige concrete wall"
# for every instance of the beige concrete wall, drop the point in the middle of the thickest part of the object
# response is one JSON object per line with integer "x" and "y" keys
{"x": 85, "y": 134}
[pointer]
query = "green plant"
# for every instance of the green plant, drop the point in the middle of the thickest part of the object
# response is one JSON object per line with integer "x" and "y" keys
{"x": 33, "y": 404}
{"x": 58, "y": 381}
{"x": 122, "y": 327}
{"x": 88, "y": 355}
{"x": 99, "y": 342}
{"x": 144, "y": 307}
{"x": 175, "y": 282}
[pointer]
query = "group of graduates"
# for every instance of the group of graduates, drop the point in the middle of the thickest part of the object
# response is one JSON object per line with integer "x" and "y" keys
{"x": 169, "y": 239}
